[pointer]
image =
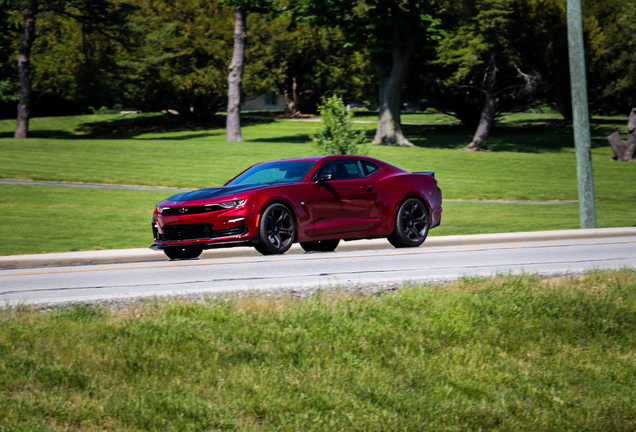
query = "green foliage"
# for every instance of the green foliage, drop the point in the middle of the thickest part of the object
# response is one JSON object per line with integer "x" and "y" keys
{"x": 180, "y": 60}
{"x": 608, "y": 25}
{"x": 509, "y": 353}
{"x": 484, "y": 40}
{"x": 336, "y": 134}
{"x": 306, "y": 61}
{"x": 9, "y": 39}
{"x": 75, "y": 52}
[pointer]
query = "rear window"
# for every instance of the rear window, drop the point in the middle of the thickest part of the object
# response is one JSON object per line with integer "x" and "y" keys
{"x": 369, "y": 168}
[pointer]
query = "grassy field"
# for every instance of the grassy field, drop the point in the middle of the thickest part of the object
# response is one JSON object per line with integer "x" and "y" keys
{"x": 532, "y": 158}
{"x": 509, "y": 354}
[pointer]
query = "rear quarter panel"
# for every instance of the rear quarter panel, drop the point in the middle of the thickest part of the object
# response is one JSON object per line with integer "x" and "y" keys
{"x": 395, "y": 188}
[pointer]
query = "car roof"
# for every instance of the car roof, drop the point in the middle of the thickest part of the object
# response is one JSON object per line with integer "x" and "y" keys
{"x": 322, "y": 157}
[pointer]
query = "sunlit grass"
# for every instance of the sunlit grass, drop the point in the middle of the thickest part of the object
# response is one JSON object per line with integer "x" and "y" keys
{"x": 533, "y": 160}
{"x": 513, "y": 353}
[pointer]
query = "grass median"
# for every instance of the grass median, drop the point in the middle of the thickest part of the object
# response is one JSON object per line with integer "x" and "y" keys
{"x": 510, "y": 353}
{"x": 533, "y": 159}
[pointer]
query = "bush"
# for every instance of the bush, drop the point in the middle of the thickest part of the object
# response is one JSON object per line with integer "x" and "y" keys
{"x": 336, "y": 135}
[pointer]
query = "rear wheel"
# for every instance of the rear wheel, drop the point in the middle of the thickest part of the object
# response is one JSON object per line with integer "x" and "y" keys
{"x": 182, "y": 253}
{"x": 411, "y": 224}
{"x": 277, "y": 230}
{"x": 320, "y": 246}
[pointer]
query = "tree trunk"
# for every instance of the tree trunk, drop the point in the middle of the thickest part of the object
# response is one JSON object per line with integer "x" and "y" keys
{"x": 392, "y": 75}
{"x": 235, "y": 77}
{"x": 24, "y": 67}
{"x": 625, "y": 150}
{"x": 292, "y": 98}
{"x": 487, "y": 118}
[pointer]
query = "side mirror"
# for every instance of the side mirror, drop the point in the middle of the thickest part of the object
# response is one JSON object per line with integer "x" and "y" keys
{"x": 325, "y": 176}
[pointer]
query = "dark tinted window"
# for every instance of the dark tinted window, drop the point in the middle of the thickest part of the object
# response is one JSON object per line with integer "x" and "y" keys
{"x": 369, "y": 168}
{"x": 286, "y": 171}
{"x": 343, "y": 169}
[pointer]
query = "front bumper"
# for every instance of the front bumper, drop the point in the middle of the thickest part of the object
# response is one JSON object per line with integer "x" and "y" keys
{"x": 224, "y": 228}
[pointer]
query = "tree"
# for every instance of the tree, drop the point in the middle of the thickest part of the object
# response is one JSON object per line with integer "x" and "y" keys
{"x": 386, "y": 30}
{"x": 179, "y": 61}
{"x": 305, "y": 62}
{"x": 9, "y": 77}
{"x": 483, "y": 54}
{"x": 609, "y": 26}
{"x": 235, "y": 76}
{"x": 235, "y": 70}
{"x": 29, "y": 10}
{"x": 98, "y": 15}
{"x": 336, "y": 134}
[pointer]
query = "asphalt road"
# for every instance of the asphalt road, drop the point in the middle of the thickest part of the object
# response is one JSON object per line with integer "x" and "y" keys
{"x": 380, "y": 267}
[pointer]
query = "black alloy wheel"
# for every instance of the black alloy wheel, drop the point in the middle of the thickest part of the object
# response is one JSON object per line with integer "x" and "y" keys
{"x": 182, "y": 253}
{"x": 320, "y": 246}
{"x": 277, "y": 230}
{"x": 411, "y": 224}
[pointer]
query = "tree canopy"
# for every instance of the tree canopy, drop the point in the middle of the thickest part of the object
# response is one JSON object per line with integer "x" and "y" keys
{"x": 160, "y": 55}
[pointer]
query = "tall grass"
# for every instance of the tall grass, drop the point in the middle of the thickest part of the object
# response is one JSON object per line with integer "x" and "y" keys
{"x": 513, "y": 353}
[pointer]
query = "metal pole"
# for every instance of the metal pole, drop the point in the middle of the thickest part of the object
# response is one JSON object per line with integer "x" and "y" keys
{"x": 581, "y": 117}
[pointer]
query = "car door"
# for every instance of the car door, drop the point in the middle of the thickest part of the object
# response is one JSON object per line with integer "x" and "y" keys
{"x": 347, "y": 203}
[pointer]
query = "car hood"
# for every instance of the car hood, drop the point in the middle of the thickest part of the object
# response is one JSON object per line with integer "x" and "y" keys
{"x": 217, "y": 192}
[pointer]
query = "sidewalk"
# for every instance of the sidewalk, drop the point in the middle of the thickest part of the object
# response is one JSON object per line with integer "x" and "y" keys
{"x": 144, "y": 254}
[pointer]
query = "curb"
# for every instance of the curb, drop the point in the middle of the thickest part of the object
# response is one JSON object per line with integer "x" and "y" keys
{"x": 145, "y": 255}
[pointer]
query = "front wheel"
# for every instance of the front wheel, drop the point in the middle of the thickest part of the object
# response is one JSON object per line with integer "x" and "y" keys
{"x": 411, "y": 224}
{"x": 182, "y": 253}
{"x": 277, "y": 230}
{"x": 320, "y": 246}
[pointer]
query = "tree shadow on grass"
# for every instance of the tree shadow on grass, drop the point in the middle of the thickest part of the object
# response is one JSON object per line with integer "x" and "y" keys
{"x": 288, "y": 139}
{"x": 438, "y": 136}
{"x": 530, "y": 139}
{"x": 163, "y": 123}
{"x": 519, "y": 139}
{"x": 47, "y": 134}
{"x": 131, "y": 126}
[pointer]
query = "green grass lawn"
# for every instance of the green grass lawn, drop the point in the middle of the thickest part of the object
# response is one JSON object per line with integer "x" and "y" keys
{"x": 509, "y": 354}
{"x": 532, "y": 158}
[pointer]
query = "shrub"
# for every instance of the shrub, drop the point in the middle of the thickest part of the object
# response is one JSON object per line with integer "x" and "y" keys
{"x": 337, "y": 136}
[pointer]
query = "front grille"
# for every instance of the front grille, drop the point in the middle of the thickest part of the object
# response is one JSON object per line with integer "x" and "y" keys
{"x": 189, "y": 210}
{"x": 197, "y": 231}
{"x": 229, "y": 232}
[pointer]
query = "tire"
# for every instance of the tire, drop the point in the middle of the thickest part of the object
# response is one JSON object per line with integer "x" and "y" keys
{"x": 320, "y": 246}
{"x": 411, "y": 224}
{"x": 277, "y": 230}
{"x": 182, "y": 253}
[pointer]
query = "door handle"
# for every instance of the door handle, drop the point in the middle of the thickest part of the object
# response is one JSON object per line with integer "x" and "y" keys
{"x": 366, "y": 188}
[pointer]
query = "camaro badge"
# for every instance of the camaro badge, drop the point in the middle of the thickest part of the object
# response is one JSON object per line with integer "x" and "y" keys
{"x": 183, "y": 210}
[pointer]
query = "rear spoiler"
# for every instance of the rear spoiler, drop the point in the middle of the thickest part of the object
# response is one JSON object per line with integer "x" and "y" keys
{"x": 431, "y": 173}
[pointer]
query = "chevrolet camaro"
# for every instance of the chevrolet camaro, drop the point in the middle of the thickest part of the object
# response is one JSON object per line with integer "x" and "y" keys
{"x": 316, "y": 201}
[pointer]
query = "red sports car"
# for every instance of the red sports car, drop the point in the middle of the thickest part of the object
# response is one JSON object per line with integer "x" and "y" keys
{"x": 316, "y": 201}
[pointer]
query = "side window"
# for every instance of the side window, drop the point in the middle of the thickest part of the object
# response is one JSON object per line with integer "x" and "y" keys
{"x": 343, "y": 169}
{"x": 369, "y": 168}
{"x": 352, "y": 169}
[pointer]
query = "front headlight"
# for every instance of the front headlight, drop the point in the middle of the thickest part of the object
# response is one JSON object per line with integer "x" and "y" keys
{"x": 161, "y": 209}
{"x": 232, "y": 204}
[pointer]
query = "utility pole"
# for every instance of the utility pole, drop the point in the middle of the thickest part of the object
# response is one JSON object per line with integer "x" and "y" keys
{"x": 581, "y": 116}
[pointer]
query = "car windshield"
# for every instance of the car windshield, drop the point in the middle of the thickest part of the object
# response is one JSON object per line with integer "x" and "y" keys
{"x": 285, "y": 171}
